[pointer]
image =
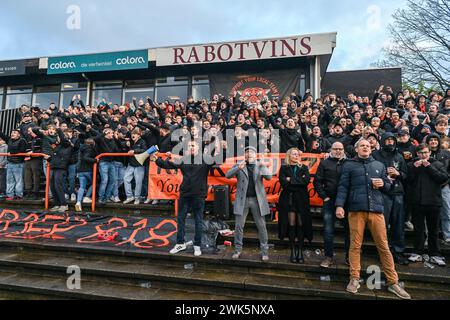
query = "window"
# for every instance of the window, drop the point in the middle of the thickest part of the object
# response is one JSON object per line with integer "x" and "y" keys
{"x": 302, "y": 88}
{"x": 17, "y": 96}
{"x": 171, "y": 89}
{"x": 68, "y": 90}
{"x": 44, "y": 96}
{"x": 139, "y": 89}
{"x": 109, "y": 91}
{"x": 1, "y": 97}
{"x": 200, "y": 88}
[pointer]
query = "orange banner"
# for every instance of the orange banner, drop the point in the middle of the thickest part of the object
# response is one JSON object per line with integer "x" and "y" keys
{"x": 165, "y": 184}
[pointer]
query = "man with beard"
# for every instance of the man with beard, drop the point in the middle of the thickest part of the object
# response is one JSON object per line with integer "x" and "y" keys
{"x": 394, "y": 211}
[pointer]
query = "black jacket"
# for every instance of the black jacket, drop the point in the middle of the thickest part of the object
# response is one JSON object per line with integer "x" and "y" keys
{"x": 327, "y": 177}
{"x": 60, "y": 158}
{"x": 138, "y": 147}
{"x": 106, "y": 146}
{"x": 392, "y": 158}
{"x": 87, "y": 158}
{"x": 48, "y": 141}
{"x": 195, "y": 176}
{"x": 15, "y": 146}
{"x": 425, "y": 183}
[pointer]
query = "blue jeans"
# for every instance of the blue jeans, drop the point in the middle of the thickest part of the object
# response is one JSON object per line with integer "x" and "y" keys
{"x": 445, "y": 212}
{"x": 120, "y": 173}
{"x": 329, "y": 220}
{"x": 108, "y": 176}
{"x": 71, "y": 175}
{"x": 14, "y": 179}
{"x": 394, "y": 215}
{"x": 197, "y": 206}
{"x": 85, "y": 179}
{"x": 138, "y": 174}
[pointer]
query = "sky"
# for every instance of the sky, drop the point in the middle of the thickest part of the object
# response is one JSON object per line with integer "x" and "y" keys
{"x": 41, "y": 28}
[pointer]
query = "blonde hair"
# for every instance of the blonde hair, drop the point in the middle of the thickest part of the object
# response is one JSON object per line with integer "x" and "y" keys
{"x": 287, "y": 160}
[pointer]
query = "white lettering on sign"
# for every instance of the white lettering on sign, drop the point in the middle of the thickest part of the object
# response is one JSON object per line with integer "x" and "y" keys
{"x": 130, "y": 60}
{"x": 63, "y": 65}
{"x": 297, "y": 46}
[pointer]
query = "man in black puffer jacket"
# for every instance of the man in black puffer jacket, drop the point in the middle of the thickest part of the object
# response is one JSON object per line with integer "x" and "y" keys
{"x": 85, "y": 171}
{"x": 325, "y": 184}
{"x": 59, "y": 162}
{"x": 362, "y": 182}
{"x": 426, "y": 177}
{"x": 394, "y": 204}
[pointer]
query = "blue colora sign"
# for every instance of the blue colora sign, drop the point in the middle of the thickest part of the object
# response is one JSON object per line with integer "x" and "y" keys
{"x": 99, "y": 62}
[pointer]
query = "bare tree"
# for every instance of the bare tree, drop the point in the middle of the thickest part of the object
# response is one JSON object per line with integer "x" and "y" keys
{"x": 421, "y": 43}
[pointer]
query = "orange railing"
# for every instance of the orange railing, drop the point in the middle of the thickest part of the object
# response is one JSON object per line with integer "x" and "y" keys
{"x": 35, "y": 155}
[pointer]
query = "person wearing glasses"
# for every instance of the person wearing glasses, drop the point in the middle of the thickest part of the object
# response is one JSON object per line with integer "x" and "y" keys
{"x": 426, "y": 176}
{"x": 325, "y": 184}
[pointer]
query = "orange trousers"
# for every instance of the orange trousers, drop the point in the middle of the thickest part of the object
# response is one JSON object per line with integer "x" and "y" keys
{"x": 375, "y": 221}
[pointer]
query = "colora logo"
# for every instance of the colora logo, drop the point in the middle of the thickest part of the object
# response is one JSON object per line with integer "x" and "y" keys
{"x": 63, "y": 65}
{"x": 130, "y": 60}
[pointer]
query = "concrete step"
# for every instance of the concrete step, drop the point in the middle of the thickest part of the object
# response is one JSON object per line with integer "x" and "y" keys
{"x": 249, "y": 275}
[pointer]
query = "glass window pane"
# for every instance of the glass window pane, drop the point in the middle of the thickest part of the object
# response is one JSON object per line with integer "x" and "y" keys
{"x": 74, "y": 86}
{"x": 1, "y": 101}
{"x": 17, "y": 100}
{"x": 171, "y": 93}
{"x": 113, "y": 96}
{"x": 128, "y": 94}
{"x": 108, "y": 85}
{"x": 43, "y": 100}
{"x": 172, "y": 81}
{"x": 135, "y": 84}
{"x": 66, "y": 97}
{"x": 200, "y": 80}
{"x": 200, "y": 92}
{"x": 42, "y": 89}
{"x": 20, "y": 89}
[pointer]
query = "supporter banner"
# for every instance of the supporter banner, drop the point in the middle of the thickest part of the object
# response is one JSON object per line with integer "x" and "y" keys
{"x": 132, "y": 233}
{"x": 295, "y": 46}
{"x": 99, "y": 62}
{"x": 165, "y": 184}
{"x": 256, "y": 87}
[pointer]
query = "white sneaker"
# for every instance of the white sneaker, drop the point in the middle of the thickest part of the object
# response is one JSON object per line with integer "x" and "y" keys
{"x": 178, "y": 248}
{"x": 137, "y": 201}
{"x": 148, "y": 201}
{"x": 67, "y": 196}
{"x": 197, "y": 251}
{"x": 63, "y": 209}
{"x": 409, "y": 225}
{"x": 129, "y": 200}
{"x": 415, "y": 258}
{"x": 440, "y": 261}
{"x": 78, "y": 207}
{"x": 73, "y": 197}
{"x": 115, "y": 199}
{"x": 87, "y": 200}
{"x": 155, "y": 202}
{"x": 54, "y": 209}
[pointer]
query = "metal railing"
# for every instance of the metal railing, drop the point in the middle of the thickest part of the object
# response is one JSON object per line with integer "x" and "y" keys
{"x": 35, "y": 155}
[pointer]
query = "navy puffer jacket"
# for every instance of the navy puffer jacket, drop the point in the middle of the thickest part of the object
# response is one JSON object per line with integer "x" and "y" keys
{"x": 355, "y": 190}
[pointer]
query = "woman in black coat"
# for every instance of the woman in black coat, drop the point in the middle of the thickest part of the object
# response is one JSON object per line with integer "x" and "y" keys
{"x": 294, "y": 218}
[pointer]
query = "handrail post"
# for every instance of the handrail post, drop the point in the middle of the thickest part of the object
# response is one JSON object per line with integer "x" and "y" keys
{"x": 94, "y": 185}
{"x": 149, "y": 179}
{"x": 47, "y": 185}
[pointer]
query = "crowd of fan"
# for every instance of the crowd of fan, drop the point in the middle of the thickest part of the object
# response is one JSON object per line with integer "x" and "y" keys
{"x": 72, "y": 136}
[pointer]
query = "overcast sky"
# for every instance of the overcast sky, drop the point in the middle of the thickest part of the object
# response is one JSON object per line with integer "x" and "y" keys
{"x": 36, "y": 28}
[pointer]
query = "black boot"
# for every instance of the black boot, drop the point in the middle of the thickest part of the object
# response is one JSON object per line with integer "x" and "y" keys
{"x": 300, "y": 258}
{"x": 294, "y": 253}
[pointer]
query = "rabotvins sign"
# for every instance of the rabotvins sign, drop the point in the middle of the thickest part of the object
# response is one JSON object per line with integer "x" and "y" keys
{"x": 99, "y": 62}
